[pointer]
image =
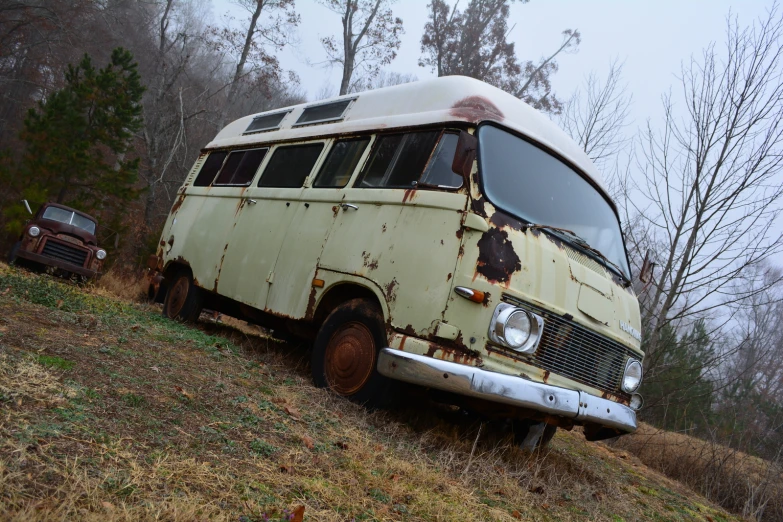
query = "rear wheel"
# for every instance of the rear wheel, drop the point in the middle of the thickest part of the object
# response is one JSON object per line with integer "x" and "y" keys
{"x": 345, "y": 354}
{"x": 183, "y": 300}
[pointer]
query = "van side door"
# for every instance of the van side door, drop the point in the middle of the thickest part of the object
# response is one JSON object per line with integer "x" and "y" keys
{"x": 317, "y": 208}
{"x": 250, "y": 254}
{"x": 396, "y": 233}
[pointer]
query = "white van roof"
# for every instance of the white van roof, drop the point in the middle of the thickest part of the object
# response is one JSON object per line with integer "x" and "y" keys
{"x": 439, "y": 100}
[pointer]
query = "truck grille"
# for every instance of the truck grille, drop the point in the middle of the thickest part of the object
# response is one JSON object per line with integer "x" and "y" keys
{"x": 572, "y": 351}
{"x": 64, "y": 252}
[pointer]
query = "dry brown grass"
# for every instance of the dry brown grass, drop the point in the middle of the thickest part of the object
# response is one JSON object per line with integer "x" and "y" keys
{"x": 109, "y": 412}
{"x": 737, "y": 481}
{"x": 124, "y": 284}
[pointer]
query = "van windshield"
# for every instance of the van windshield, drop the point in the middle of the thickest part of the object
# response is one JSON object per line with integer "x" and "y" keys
{"x": 70, "y": 218}
{"x": 533, "y": 185}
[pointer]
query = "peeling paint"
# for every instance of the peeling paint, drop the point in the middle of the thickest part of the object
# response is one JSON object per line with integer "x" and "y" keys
{"x": 477, "y": 206}
{"x": 497, "y": 260}
{"x": 476, "y": 109}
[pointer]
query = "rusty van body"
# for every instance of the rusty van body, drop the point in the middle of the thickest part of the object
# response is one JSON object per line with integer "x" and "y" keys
{"x": 62, "y": 238}
{"x": 441, "y": 233}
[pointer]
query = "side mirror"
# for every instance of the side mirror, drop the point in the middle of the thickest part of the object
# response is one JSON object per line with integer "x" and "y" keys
{"x": 27, "y": 206}
{"x": 465, "y": 154}
{"x": 648, "y": 267}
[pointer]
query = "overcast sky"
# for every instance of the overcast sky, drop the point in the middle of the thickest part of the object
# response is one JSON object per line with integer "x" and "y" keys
{"x": 651, "y": 37}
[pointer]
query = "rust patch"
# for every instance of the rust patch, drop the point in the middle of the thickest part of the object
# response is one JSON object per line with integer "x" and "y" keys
{"x": 310, "y": 312}
{"x": 477, "y": 206}
{"x": 448, "y": 277}
{"x": 383, "y": 228}
{"x": 545, "y": 378}
{"x": 410, "y": 195}
{"x": 485, "y": 301}
{"x": 497, "y": 260}
{"x": 335, "y": 210}
{"x": 391, "y": 291}
{"x": 476, "y": 109}
{"x": 408, "y": 330}
{"x": 457, "y": 355}
{"x": 461, "y": 251}
{"x": 373, "y": 265}
{"x": 616, "y": 398}
{"x": 460, "y": 232}
{"x": 500, "y": 219}
{"x": 220, "y": 268}
{"x": 402, "y": 343}
{"x": 177, "y": 203}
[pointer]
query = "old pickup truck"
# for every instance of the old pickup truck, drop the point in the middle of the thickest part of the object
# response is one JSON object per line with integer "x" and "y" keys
{"x": 63, "y": 238}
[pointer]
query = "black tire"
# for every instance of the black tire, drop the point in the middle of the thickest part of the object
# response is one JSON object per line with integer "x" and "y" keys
{"x": 522, "y": 429}
{"x": 183, "y": 300}
{"x": 345, "y": 354}
{"x": 14, "y": 252}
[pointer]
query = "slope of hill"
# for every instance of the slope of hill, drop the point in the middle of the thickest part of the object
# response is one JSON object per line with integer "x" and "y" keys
{"x": 111, "y": 412}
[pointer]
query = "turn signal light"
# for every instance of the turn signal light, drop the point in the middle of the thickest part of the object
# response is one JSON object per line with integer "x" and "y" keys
{"x": 477, "y": 296}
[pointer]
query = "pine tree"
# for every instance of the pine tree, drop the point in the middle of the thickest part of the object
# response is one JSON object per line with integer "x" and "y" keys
{"x": 77, "y": 140}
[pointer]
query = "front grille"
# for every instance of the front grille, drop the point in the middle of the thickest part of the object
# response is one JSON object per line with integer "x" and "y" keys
{"x": 64, "y": 252}
{"x": 571, "y": 350}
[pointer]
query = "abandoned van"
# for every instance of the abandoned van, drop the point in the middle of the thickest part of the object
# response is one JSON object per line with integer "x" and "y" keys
{"x": 441, "y": 233}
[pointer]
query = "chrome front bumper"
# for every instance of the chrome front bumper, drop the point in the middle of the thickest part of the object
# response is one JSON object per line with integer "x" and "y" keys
{"x": 506, "y": 389}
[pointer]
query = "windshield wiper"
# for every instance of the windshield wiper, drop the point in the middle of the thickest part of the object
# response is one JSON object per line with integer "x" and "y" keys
{"x": 579, "y": 241}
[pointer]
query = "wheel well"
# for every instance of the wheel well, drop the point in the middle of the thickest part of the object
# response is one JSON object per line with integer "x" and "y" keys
{"x": 338, "y": 295}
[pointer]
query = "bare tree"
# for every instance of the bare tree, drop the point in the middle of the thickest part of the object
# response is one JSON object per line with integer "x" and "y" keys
{"x": 474, "y": 43}
{"x": 596, "y": 115}
{"x": 389, "y": 79}
{"x": 710, "y": 187}
{"x": 369, "y": 40}
{"x": 270, "y": 24}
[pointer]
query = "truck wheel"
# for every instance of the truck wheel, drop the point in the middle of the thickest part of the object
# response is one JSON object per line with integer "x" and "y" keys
{"x": 345, "y": 354}
{"x": 183, "y": 300}
{"x": 532, "y": 435}
{"x": 14, "y": 251}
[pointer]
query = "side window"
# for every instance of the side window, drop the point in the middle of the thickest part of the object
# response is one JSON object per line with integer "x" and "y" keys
{"x": 289, "y": 166}
{"x": 399, "y": 160}
{"x": 240, "y": 167}
{"x": 439, "y": 171}
{"x": 341, "y": 163}
{"x": 209, "y": 169}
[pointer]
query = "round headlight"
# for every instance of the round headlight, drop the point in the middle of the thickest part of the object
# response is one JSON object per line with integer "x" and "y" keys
{"x": 516, "y": 331}
{"x": 636, "y": 402}
{"x": 100, "y": 254}
{"x": 34, "y": 231}
{"x": 633, "y": 375}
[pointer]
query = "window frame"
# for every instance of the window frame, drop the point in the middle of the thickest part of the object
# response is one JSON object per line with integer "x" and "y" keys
{"x": 359, "y": 165}
{"x": 341, "y": 117}
{"x": 273, "y": 150}
{"x": 285, "y": 113}
{"x": 418, "y": 184}
{"x": 228, "y": 155}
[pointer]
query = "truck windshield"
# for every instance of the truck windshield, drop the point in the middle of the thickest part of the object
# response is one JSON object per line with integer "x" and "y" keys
{"x": 533, "y": 185}
{"x": 70, "y": 218}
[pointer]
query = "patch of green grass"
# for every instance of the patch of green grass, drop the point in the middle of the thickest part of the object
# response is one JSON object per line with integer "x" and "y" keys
{"x": 263, "y": 448}
{"x": 132, "y": 400}
{"x": 55, "y": 362}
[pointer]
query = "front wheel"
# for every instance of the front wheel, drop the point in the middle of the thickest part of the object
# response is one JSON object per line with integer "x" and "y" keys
{"x": 183, "y": 300}
{"x": 345, "y": 354}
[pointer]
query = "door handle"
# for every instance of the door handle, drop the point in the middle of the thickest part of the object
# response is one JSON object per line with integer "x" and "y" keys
{"x": 346, "y": 206}
{"x": 251, "y": 201}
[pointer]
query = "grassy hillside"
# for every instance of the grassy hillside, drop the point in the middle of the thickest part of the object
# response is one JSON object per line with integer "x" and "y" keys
{"x": 110, "y": 412}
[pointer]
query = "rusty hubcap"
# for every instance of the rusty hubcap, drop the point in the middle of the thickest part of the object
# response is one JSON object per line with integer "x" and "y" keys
{"x": 177, "y": 295}
{"x": 349, "y": 358}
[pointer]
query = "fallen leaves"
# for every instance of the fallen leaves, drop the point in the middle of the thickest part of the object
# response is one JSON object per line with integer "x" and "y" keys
{"x": 298, "y": 514}
{"x": 293, "y": 412}
{"x": 184, "y": 393}
{"x": 516, "y": 514}
{"x": 308, "y": 442}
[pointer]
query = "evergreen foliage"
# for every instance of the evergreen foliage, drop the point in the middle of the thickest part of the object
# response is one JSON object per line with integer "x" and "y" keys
{"x": 77, "y": 140}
